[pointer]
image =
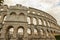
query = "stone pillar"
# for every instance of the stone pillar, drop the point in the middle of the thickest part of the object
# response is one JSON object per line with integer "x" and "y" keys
{"x": 44, "y": 36}
{"x": 37, "y": 21}
{"x": 3, "y": 33}
{"x": 42, "y": 21}
{"x": 25, "y": 34}
{"x": 15, "y": 32}
{"x": 32, "y": 31}
{"x": 47, "y": 23}
{"x": 40, "y": 34}
{"x": 31, "y": 20}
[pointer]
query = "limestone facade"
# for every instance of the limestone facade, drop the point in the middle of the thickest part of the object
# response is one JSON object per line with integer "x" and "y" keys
{"x": 25, "y": 23}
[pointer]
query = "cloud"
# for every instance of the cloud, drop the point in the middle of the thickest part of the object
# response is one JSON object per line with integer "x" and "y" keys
{"x": 40, "y": 4}
{"x": 56, "y": 13}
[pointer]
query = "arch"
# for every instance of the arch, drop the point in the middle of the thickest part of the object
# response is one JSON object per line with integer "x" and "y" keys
{"x": 33, "y": 12}
{"x": 35, "y": 31}
{"x": 40, "y": 21}
{"x": 20, "y": 30}
{"x": 21, "y": 13}
{"x": 4, "y": 18}
{"x": 44, "y": 22}
{"x": 54, "y": 31}
{"x": 28, "y": 11}
{"x": 47, "y": 32}
{"x": 48, "y": 24}
{"x": 38, "y": 13}
{"x": 9, "y": 32}
{"x": 22, "y": 17}
{"x": 13, "y": 13}
{"x": 29, "y": 20}
{"x": 51, "y": 31}
{"x": 34, "y": 21}
{"x": 29, "y": 31}
{"x": 41, "y": 31}
{"x": 10, "y": 29}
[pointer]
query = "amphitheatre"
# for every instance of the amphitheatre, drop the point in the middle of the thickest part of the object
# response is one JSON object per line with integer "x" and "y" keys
{"x": 21, "y": 23}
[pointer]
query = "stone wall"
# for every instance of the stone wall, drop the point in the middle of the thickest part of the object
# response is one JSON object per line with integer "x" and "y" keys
{"x": 32, "y": 19}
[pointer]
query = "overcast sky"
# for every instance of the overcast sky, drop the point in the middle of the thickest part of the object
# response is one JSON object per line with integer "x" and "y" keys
{"x": 50, "y": 6}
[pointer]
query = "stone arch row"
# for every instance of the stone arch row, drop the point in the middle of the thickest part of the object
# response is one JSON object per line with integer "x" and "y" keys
{"x": 14, "y": 13}
{"x": 30, "y": 20}
{"x": 44, "y": 14}
{"x": 42, "y": 31}
{"x": 11, "y": 31}
{"x": 20, "y": 31}
{"x": 37, "y": 21}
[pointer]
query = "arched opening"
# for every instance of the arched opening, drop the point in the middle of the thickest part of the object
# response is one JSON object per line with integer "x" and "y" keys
{"x": 11, "y": 30}
{"x": 48, "y": 24}
{"x": 51, "y": 31}
{"x": 41, "y": 31}
{"x": 20, "y": 33}
{"x": 44, "y": 23}
{"x": 48, "y": 31}
{"x": 29, "y": 31}
{"x": 9, "y": 33}
{"x": 35, "y": 32}
{"x": 33, "y": 12}
{"x": 40, "y": 21}
{"x": 28, "y": 11}
{"x": 38, "y": 13}
{"x": 4, "y": 18}
{"x": 34, "y": 21}
{"x": 54, "y": 32}
{"x": 29, "y": 20}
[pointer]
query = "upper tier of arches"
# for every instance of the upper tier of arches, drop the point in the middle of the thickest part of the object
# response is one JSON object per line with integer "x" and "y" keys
{"x": 30, "y": 10}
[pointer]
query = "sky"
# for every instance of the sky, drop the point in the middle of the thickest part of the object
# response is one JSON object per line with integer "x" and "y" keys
{"x": 50, "y": 6}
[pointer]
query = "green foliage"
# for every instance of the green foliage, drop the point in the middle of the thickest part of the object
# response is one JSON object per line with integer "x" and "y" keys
{"x": 57, "y": 37}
